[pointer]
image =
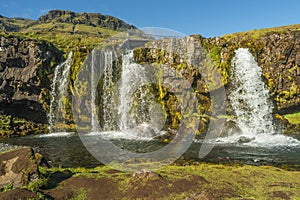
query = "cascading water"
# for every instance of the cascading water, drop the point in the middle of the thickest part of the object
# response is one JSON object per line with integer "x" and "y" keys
{"x": 132, "y": 77}
{"x": 126, "y": 103}
{"x": 104, "y": 60}
{"x": 59, "y": 88}
{"x": 249, "y": 98}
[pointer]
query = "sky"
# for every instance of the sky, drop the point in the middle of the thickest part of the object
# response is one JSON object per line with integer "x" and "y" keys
{"x": 209, "y": 18}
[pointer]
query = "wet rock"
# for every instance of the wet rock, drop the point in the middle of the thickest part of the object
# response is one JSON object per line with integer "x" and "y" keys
{"x": 244, "y": 139}
{"x": 230, "y": 128}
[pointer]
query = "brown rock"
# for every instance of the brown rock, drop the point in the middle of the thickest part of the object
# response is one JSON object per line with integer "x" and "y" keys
{"x": 19, "y": 167}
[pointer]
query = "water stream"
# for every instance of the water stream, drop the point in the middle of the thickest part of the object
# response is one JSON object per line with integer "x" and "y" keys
{"x": 250, "y": 100}
{"x": 59, "y": 89}
{"x": 259, "y": 142}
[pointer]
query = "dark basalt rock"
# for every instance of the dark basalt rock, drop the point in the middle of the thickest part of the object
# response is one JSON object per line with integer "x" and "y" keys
{"x": 91, "y": 19}
{"x": 26, "y": 67}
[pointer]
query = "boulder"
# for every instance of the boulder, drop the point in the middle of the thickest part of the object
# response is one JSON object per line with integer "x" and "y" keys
{"x": 19, "y": 167}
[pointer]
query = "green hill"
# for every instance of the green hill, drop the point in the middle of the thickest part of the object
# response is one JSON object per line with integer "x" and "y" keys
{"x": 66, "y": 29}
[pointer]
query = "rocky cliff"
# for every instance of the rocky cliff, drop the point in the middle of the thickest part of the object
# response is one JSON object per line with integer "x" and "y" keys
{"x": 276, "y": 51}
{"x": 26, "y": 67}
{"x": 91, "y": 19}
{"x": 27, "y": 63}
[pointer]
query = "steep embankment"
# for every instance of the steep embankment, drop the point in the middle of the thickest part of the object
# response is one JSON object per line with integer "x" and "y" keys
{"x": 276, "y": 50}
{"x": 26, "y": 76}
{"x": 26, "y": 67}
{"x": 29, "y": 52}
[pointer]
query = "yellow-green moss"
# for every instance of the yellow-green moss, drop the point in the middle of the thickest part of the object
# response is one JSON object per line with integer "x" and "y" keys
{"x": 293, "y": 118}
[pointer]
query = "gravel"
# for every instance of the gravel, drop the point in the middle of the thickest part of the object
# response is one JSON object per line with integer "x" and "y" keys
{"x": 8, "y": 147}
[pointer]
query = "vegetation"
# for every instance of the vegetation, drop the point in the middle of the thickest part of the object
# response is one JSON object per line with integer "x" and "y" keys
{"x": 174, "y": 182}
{"x": 293, "y": 118}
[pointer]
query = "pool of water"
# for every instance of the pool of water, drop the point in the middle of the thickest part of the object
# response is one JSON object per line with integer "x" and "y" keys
{"x": 67, "y": 150}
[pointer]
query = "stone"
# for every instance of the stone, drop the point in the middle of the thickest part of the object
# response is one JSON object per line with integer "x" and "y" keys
{"x": 230, "y": 128}
{"x": 24, "y": 70}
{"x": 244, "y": 139}
{"x": 19, "y": 167}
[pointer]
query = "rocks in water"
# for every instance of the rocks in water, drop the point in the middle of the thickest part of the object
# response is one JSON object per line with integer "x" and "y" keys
{"x": 19, "y": 167}
{"x": 244, "y": 139}
{"x": 143, "y": 130}
{"x": 8, "y": 147}
{"x": 230, "y": 128}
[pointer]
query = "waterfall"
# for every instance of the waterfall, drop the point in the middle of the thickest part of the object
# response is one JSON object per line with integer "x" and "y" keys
{"x": 104, "y": 60}
{"x": 133, "y": 76}
{"x": 250, "y": 100}
{"x": 129, "y": 108}
{"x": 250, "y": 96}
{"x": 59, "y": 89}
{"x": 93, "y": 94}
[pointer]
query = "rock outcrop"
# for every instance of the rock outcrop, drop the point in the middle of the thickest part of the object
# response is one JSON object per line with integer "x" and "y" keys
{"x": 19, "y": 167}
{"x": 92, "y": 19}
{"x": 277, "y": 53}
{"x": 26, "y": 67}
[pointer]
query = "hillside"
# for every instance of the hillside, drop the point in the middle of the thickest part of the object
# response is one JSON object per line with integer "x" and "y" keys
{"x": 66, "y": 29}
{"x": 51, "y": 37}
{"x": 275, "y": 49}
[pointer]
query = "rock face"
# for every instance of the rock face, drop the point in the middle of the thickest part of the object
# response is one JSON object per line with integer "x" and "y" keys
{"x": 93, "y": 19}
{"x": 277, "y": 53}
{"x": 25, "y": 69}
{"x": 19, "y": 167}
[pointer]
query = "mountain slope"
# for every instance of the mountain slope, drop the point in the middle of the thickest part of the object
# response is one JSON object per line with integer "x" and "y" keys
{"x": 66, "y": 29}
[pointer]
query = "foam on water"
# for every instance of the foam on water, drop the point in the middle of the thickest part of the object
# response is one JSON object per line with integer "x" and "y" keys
{"x": 57, "y": 134}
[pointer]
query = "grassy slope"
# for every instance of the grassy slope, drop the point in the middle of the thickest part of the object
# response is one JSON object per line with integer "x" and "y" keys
{"x": 255, "y": 34}
{"x": 178, "y": 182}
{"x": 67, "y": 36}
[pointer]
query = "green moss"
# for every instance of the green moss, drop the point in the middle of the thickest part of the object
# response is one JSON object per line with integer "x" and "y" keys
{"x": 293, "y": 118}
{"x": 80, "y": 194}
{"x": 7, "y": 188}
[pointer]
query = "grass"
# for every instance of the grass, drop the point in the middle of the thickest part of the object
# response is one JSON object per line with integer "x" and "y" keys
{"x": 255, "y": 34}
{"x": 293, "y": 118}
{"x": 80, "y": 194}
{"x": 222, "y": 181}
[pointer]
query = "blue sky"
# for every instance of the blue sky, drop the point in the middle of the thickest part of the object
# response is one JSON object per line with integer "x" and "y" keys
{"x": 206, "y": 17}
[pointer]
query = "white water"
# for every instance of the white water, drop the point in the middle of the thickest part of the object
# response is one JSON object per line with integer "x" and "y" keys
{"x": 59, "y": 88}
{"x": 108, "y": 93}
{"x": 128, "y": 116}
{"x": 250, "y": 101}
{"x": 250, "y": 96}
{"x": 57, "y": 134}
